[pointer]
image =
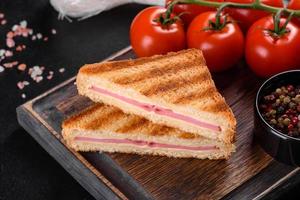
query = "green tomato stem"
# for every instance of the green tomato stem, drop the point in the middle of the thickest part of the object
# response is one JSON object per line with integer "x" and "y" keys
{"x": 255, "y": 5}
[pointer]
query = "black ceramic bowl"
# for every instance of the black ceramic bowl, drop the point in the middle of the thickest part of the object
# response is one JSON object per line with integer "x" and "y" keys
{"x": 281, "y": 147}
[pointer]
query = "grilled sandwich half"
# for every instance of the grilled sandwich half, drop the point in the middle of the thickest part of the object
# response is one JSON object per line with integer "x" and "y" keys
{"x": 106, "y": 128}
{"x": 174, "y": 90}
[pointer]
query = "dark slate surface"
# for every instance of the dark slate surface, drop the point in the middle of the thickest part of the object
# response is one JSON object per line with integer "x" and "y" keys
{"x": 26, "y": 170}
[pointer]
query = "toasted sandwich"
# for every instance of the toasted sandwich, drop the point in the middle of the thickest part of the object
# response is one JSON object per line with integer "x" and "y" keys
{"x": 106, "y": 128}
{"x": 174, "y": 90}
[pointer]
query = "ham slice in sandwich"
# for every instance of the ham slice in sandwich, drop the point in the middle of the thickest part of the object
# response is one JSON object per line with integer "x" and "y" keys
{"x": 107, "y": 128}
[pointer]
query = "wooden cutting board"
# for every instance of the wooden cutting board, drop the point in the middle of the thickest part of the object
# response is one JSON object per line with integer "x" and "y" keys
{"x": 249, "y": 173}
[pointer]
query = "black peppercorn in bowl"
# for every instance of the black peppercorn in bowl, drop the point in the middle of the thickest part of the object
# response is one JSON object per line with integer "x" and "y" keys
{"x": 277, "y": 117}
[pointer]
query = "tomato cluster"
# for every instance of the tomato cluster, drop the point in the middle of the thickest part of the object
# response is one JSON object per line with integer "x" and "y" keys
{"x": 223, "y": 39}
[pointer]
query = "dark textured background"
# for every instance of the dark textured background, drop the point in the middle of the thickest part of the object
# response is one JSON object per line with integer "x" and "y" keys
{"x": 27, "y": 171}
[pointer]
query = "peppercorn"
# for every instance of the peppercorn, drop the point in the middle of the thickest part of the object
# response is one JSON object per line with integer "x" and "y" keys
{"x": 278, "y": 91}
{"x": 298, "y": 108}
{"x": 290, "y": 88}
{"x": 281, "y": 109}
{"x": 286, "y": 121}
{"x": 273, "y": 121}
{"x": 287, "y": 100}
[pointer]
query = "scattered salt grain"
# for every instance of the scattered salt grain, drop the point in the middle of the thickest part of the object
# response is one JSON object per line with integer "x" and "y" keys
{"x": 38, "y": 79}
{"x": 23, "y": 96}
{"x": 23, "y": 24}
{"x": 15, "y": 27}
{"x": 1, "y": 69}
{"x": 33, "y": 37}
{"x": 45, "y": 39}
{"x": 22, "y": 67}
{"x": 1, "y": 15}
{"x": 61, "y": 70}
{"x": 39, "y": 36}
{"x": 10, "y": 42}
{"x": 50, "y": 75}
{"x": 8, "y": 53}
{"x": 20, "y": 85}
{"x": 2, "y": 52}
{"x": 3, "y": 22}
{"x": 10, "y": 34}
{"x": 53, "y": 31}
{"x": 10, "y": 64}
{"x": 19, "y": 48}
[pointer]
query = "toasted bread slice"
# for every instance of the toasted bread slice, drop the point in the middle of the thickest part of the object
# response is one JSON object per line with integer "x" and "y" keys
{"x": 106, "y": 128}
{"x": 174, "y": 90}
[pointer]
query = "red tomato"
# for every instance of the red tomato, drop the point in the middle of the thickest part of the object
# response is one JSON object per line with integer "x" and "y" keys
{"x": 222, "y": 49}
{"x": 267, "y": 55}
{"x": 149, "y": 37}
{"x": 191, "y": 10}
{"x": 246, "y": 17}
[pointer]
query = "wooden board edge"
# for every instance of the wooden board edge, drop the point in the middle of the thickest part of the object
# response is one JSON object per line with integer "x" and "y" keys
{"x": 136, "y": 190}
{"x": 104, "y": 189}
{"x": 111, "y": 57}
{"x": 277, "y": 184}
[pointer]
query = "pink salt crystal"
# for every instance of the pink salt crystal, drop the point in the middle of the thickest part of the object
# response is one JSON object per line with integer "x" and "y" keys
{"x": 22, "y": 67}
{"x": 49, "y": 77}
{"x": 61, "y": 70}
{"x": 23, "y": 96}
{"x": 30, "y": 71}
{"x": 53, "y": 31}
{"x": 20, "y": 85}
{"x": 14, "y": 63}
{"x": 10, "y": 34}
{"x": 3, "y": 22}
{"x": 45, "y": 39}
{"x": 8, "y": 65}
{"x": 1, "y": 15}
{"x": 19, "y": 48}
{"x": 39, "y": 79}
{"x": 8, "y": 53}
{"x": 10, "y": 42}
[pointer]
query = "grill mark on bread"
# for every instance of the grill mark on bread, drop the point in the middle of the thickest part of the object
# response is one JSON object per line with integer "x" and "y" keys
{"x": 217, "y": 107}
{"x": 153, "y": 72}
{"x": 116, "y": 65}
{"x": 98, "y": 122}
{"x": 195, "y": 95}
{"x": 186, "y": 135}
{"x": 176, "y": 83}
{"x": 135, "y": 124}
{"x": 159, "y": 130}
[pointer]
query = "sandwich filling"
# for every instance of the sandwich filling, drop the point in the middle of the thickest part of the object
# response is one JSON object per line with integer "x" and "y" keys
{"x": 159, "y": 110}
{"x": 142, "y": 143}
